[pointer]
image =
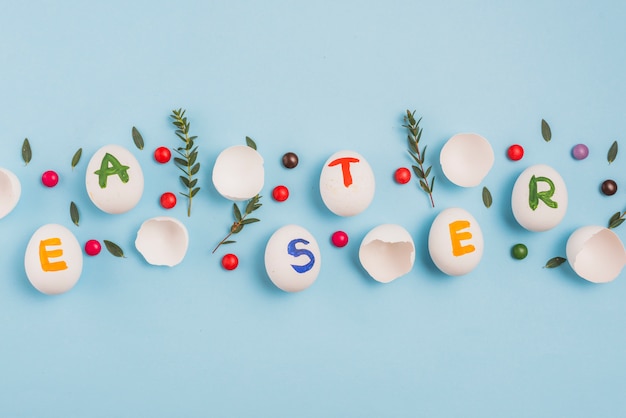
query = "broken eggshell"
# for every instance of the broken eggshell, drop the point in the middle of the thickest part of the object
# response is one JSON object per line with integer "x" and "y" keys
{"x": 595, "y": 253}
{"x": 162, "y": 241}
{"x": 387, "y": 252}
{"x": 347, "y": 183}
{"x": 114, "y": 179}
{"x": 238, "y": 173}
{"x": 10, "y": 191}
{"x": 466, "y": 159}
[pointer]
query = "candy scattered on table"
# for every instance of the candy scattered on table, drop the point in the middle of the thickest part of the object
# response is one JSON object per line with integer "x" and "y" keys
{"x": 290, "y": 160}
{"x": 402, "y": 175}
{"x": 339, "y": 239}
{"x": 93, "y": 247}
{"x": 519, "y": 251}
{"x": 50, "y": 178}
{"x": 280, "y": 193}
{"x": 162, "y": 155}
{"x": 230, "y": 261}
{"x": 515, "y": 152}
{"x": 580, "y": 151}
{"x": 609, "y": 187}
{"x": 168, "y": 200}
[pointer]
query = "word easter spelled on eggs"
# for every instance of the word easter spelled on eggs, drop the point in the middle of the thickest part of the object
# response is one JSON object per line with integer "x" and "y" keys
{"x": 114, "y": 181}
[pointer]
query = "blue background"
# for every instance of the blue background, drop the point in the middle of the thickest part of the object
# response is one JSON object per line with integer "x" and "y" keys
{"x": 509, "y": 339}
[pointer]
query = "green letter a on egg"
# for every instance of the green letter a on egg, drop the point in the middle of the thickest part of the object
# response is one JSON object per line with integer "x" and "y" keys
{"x": 111, "y": 166}
{"x": 534, "y": 196}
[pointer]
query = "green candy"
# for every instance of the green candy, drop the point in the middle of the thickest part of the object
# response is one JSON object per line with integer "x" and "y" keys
{"x": 519, "y": 251}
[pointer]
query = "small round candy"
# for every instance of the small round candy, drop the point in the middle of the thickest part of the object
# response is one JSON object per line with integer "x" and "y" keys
{"x": 50, "y": 178}
{"x": 93, "y": 247}
{"x": 609, "y": 187}
{"x": 162, "y": 155}
{"x": 168, "y": 200}
{"x": 230, "y": 261}
{"x": 280, "y": 193}
{"x": 580, "y": 151}
{"x": 515, "y": 152}
{"x": 519, "y": 251}
{"x": 402, "y": 175}
{"x": 290, "y": 160}
{"x": 339, "y": 239}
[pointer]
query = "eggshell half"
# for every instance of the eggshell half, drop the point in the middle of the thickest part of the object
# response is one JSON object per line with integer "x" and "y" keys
{"x": 387, "y": 252}
{"x": 466, "y": 159}
{"x": 539, "y": 204}
{"x": 53, "y": 259}
{"x": 238, "y": 173}
{"x": 455, "y": 242}
{"x": 163, "y": 241}
{"x": 114, "y": 179}
{"x": 347, "y": 183}
{"x": 292, "y": 258}
{"x": 595, "y": 253}
{"x": 10, "y": 191}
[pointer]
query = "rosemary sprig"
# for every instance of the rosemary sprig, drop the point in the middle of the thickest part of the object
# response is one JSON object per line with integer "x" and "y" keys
{"x": 241, "y": 220}
{"x": 188, "y": 156}
{"x": 415, "y": 134}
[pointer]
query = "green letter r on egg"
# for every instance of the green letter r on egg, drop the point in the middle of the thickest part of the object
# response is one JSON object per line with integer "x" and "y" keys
{"x": 534, "y": 196}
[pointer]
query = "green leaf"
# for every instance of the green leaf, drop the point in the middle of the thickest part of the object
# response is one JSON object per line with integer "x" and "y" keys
{"x": 236, "y": 228}
{"x": 114, "y": 249}
{"x": 555, "y": 262}
{"x": 137, "y": 138}
{"x": 180, "y": 161}
{"x": 432, "y": 184}
{"x": 193, "y": 183}
{"x": 250, "y": 221}
{"x": 230, "y": 241}
{"x": 412, "y": 145}
{"x": 74, "y": 213}
{"x": 545, "y": 131}
{"x": 418, "y": 172}
{"x": 250, "y": 143}
{"x": 195, "y": 169}
{"x": 185, "y": 181}
{"x": 616, "y": 222}
{"x": 427, "y": 173}
{"x": 195, "y": 191}
{"x": 612, "y": 152}
{"x": 424, "y": 153}
{"x": 236, "y": 212}
{"x": 27, "y": 153}
{"x": 487, "y": 200}
{"x": 76, "y": 157}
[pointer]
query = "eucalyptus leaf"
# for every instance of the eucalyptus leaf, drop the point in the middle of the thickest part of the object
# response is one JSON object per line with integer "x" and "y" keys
{"x": 74, "y": 213}
{"x": 615, "y": 223}
{"x": 487, "y": 199}
{"x": 27, "y": 153}
{"x": 114, "y": 249}
{"x": 76, "y": 157}
{"x": 554, "y": 262}
{"x": 612, "y": 152}
{"x": 250, "y": 221}
{"x": 546, "y": 132}
{"x": 236, "y": 212}
{"x": 137, "y": 138}
{"x": 250, "y": 143}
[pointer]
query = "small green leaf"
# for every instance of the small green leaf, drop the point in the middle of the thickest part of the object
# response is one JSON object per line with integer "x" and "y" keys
{"x": 76, "y": 157}
{"x": 250, "y": 143}
{"x": 27, "y": 153}
{"x": 612, "y": 152}
{"x": 545, "y": 131}
{"x": 554, "y": 262}
{"x": 195, "y": 169}
{"x": 180, "y": 161}
{"x": 195, "y": 191}
{"x": 236, "y": 228}
{"x": 615, "y": 223}
{"x": 74, "y": 213}
{"x": 185, "y": 181}
{"x": 114, "y": 249}
{"x": 487, "y": 200}
{"x": 137, "y": 138}
{"x": 236, "y": 212}
{"x": 230, "y": 241}
{"x": 250, "y": 221}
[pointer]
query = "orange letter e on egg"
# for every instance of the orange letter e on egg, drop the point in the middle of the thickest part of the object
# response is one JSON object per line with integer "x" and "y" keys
{"x": 456, "y": 237}
{"x": 345, "y": 168}
{"x": 45, "y": 255}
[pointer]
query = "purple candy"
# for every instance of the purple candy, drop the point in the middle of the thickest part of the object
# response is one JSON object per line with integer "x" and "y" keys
{"x": 580, "y": 151}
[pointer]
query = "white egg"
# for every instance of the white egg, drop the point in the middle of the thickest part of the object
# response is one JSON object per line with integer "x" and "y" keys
{"x": 539, "y": 198}
{"x": 292, "y": 258}
{"x": 596, "y": 253}
{"x": 114, "y": 179}
{"x": 387, "y": 252}
{"x": 347, "y": 183}
{"x": 238, "y": 173}
{"x": 163, "y": 241}
{"x": 10, "y": 191}
{"x": 53, "y": 259}
{"x": 466, "y": 159}
{"x": 455, "y": 242}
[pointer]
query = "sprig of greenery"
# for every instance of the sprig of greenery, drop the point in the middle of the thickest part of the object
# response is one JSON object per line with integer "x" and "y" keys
{"x": 241, "y": 220}
{"x": 188, "y": 156}
{"x": 617, "y": 219}
{"x": 415, "y": 134}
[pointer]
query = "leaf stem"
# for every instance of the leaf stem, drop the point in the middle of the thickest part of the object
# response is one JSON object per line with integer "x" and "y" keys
{"x": 415, "y": 134}
{"x": 187, "y": 164}
{"x": 240, "y": 221}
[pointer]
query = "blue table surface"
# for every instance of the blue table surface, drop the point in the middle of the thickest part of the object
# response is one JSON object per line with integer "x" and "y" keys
{"x": 509, "y": 339}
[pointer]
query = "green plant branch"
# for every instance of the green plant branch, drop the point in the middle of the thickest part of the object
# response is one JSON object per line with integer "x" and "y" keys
{"x": 415, "y": 134}
{"x": 240, "y": 220}
{"x": 188, "y": 156}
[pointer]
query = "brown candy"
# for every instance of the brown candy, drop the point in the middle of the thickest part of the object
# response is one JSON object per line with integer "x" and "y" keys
{"x": 290, "y": 160}
{"x": 609, "y": 187}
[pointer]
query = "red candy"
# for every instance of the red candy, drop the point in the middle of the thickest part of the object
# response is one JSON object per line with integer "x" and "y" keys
{"x": 516, "y": 152}
{"x": 50, "y": 178}
{"x": 168, "y": 200}
{"x": 93, "y": 247}
{"x": 340, "y": 239}
{"x": 402, "y": 175}
{"x": 162, "y": 155}
{"x": 280, "y": 193}
{"x": 230, "y": 261}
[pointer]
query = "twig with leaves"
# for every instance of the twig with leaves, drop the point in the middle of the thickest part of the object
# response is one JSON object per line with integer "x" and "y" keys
{"x": 188, "y": 156}
{"x": 241, "y": 220}
{"x": 617, "y": 219}
{"x": 415, "y": 134}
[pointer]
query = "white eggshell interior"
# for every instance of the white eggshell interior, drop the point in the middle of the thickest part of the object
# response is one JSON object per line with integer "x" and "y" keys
{"x": 60, "y": 247}
{"x": 346, "y": 197}
{"x": 238, "y": 173}
{"x": 286, "y": 252}
{"x": 387, "y": 252}
{"x": 163, "y": 241}
{"x": 466, "y": 159}
{"x": 440, "y": 244}
{"x": 10, "y": 192}
{"x": 596, "y": 254}
{"x": 118, "y": 196}
{"x": 543, "y": 217}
